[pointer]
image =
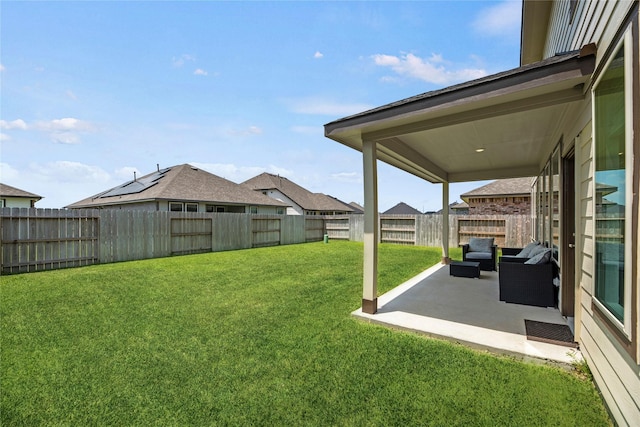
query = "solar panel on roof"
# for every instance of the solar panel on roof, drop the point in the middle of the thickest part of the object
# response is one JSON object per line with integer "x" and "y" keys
{"x": 136, "y": 186}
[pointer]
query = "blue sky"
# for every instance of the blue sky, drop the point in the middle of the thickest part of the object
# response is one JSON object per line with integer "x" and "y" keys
{"x": 93, "y": 91}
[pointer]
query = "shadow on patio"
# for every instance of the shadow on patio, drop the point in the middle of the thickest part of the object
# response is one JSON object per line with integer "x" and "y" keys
{"x": 468, "y": 311}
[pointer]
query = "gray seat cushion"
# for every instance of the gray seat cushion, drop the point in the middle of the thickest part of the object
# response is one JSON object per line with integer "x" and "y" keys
{"x": 477, "y": 244}
{"x": 478, "y": 255}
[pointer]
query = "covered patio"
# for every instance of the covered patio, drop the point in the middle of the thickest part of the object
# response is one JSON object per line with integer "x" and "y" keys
{"x": 506, "y": 125}
{"x": 468, "y": 311}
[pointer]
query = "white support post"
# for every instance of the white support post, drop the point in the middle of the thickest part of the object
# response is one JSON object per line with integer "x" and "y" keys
{"x": 445, "y": 223}
{"x": 370, "y": 276}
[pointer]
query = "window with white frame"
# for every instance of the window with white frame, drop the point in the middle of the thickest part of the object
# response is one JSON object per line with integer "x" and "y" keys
{"x": 612, "y": 123}
{"x": 192, "y": 207}
{"x": 176, "y": 206}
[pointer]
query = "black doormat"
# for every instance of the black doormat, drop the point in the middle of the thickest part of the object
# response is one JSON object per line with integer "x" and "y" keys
{"x": 551, "y": 333}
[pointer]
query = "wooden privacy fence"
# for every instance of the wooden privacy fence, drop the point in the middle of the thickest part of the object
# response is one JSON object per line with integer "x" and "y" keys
{"x": 47, "y": 239}
{"x": 426, "y": 230}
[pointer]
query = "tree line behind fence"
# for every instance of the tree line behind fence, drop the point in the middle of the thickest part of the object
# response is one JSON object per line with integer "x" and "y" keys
{"x": 48, "y": 239}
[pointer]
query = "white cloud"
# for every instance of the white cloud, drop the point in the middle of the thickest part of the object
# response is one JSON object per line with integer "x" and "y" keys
{"x": 126, "y": 173}
{"x": 70, "y": 172}
{"x": 63, "y": 131}
{"x": 8, "y": 173}
{"x": 431, "y": 70}
{"x": 280, "y": 171}
{"x": 15, "y": 124}
{"x": 325, "y": 107}
{"x": 180, "y": 60}
{"x": 350, "y": 177}
{"x": 500, "y": 20}
{"x": 65, "y": 124}
{"x": 318, "y": 55}
{"x": 200, "y": 72}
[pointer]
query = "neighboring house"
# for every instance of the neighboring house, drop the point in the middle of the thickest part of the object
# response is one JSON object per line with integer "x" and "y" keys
{"x": 454, "y": 209}
{"x": 182, "y": 188}
{"x": 402, "y": 209}
{"x": 11, "y": 197}
{"x": 300, "y": 200}
{"x": 357, "y": 209}
{"x": 461, "y": 208}
{"x": 501, "y": 197}
{"x": 569, "y": 115}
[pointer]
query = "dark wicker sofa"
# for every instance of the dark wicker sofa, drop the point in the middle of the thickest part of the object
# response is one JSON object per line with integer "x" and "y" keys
{"x": 529, "y": 284}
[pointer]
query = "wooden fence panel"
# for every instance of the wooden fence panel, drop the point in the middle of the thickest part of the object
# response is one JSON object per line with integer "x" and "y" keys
{"x": 482, "y": 226}
{"x": 292, "y": 229}
{"x": 232, "y": 231}
{"x": 314, "y": 228}
{"x": 266, "y": 231}
{"x": 518, "y": 231}
{"x": 338, "y": 227}
{"x": 45, "y": 239}
{"x": 190, "y": 235}
{"x": 400, "y": 229}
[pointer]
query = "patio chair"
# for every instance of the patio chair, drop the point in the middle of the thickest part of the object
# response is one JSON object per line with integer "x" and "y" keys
{"x": 528, "y": 281}
{"x": 481, "y": 250}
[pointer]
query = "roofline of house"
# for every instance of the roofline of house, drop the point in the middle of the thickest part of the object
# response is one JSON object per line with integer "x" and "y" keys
{"x": 162, "y": 199}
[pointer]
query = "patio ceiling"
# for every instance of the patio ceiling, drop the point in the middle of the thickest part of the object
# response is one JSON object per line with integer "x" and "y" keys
{"x": 516, "y": 117}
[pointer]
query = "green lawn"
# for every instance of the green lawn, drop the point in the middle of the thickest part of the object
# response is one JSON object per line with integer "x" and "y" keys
{"x": 253, "y": 337}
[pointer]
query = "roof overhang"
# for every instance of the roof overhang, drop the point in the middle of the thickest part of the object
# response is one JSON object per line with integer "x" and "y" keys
{"x": 513, "y": 116}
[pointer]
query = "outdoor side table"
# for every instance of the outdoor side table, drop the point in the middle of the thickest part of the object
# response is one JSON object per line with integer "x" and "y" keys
{"x": 464, "y": 269}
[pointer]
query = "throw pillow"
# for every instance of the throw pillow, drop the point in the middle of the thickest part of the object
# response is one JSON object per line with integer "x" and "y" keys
{"x": 524, "y": 253}
{"x": 541, "y": 258}
{"x": 537, "y": 250}
{"x": 477, "y": 244}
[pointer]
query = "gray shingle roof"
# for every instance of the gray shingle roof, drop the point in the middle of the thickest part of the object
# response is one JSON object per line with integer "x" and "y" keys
{"x": 300, "y": 195}
{"x": 179, "y": 183}
{"x": 402, "y": 209}
{"x": 9, "y": 191}
{"x": 357, "y": 208}
{"x": 502, "y": 187}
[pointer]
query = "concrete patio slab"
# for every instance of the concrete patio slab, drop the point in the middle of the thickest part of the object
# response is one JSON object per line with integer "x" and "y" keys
{"x": 468, "y": 311}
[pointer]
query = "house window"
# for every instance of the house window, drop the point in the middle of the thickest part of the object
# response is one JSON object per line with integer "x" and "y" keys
{"x": 220, "y": 209}
{"x": 3, "y": 203}
{"x": 280, "y": 211}
{"x": 254, "y": 209}
{"x": 175, "y": 206}
{"x": 192, "y": 207}
{"x": 612, "y": 186}
{"x": 209, "y": 208}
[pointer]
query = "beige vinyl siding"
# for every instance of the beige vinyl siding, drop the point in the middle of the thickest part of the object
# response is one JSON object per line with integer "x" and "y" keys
{"x": 614, "y": 372}
{"x": 590, "y": 25}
